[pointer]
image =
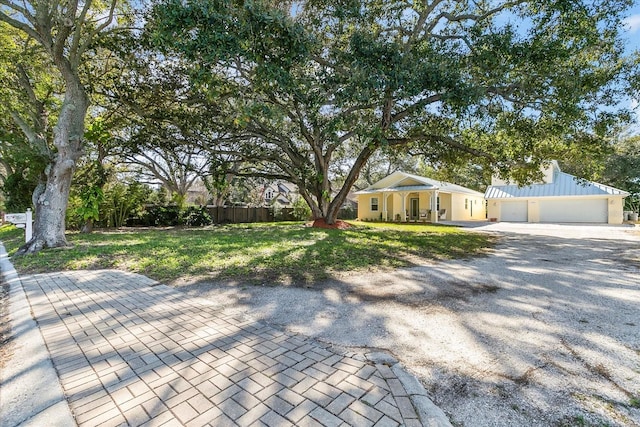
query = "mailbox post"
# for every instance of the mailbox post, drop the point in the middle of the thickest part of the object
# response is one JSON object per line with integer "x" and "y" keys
{"x": 22, "y": 220}
{"x": 28, "y": 230}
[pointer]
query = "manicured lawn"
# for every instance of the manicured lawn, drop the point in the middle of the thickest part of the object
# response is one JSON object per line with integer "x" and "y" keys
{"x": 252, "y": 253}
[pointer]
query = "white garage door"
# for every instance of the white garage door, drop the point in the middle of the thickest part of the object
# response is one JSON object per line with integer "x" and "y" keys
{"x": 577, "y": 210}
{"x": 513, "y": 211}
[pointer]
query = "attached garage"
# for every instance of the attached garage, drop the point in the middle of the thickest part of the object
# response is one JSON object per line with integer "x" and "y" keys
{"x": 577, "y": 210}
{"x": 513, "y": 211}
{"x": 560, "y": 197}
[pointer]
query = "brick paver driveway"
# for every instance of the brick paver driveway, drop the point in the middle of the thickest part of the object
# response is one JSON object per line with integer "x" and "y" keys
{"x": 130, "y": 351}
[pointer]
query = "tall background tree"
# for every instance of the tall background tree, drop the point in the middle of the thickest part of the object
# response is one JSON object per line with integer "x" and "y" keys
{"x": 28, "y": 91}
{"x": 165, "y": 124}
{"x": 622, "y": 170}
{"x": 63, "y": 35}
{"x": 507, "y": 84}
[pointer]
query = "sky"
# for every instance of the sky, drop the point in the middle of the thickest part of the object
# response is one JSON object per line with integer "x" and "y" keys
{"x": 633, "y": 44}
{"x": 633, "y": 28}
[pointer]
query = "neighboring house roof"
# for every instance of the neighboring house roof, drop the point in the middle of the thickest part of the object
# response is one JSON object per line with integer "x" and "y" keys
{"x": 402, "y": 181}
{"x": 561, "y": 185}
{"x": 284, "y": 188}
{"x": 280, "y": 192}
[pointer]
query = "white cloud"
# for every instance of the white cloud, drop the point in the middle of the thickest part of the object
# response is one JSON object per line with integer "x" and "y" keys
{"x": 633, "y": 23}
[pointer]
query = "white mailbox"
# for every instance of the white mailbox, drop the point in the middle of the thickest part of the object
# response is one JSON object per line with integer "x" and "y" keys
{"x": 22, "y": 220}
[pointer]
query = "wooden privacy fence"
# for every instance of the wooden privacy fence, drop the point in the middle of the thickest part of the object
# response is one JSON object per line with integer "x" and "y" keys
{"x": 223, "y": 214}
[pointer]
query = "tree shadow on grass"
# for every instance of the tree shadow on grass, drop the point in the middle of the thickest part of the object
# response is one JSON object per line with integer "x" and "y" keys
{"x": 293, "y": 255}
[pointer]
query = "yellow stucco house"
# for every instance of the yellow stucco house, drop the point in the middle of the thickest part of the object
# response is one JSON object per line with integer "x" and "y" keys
{"x": 558, "y": 198}
{"x": 406, "y": 197}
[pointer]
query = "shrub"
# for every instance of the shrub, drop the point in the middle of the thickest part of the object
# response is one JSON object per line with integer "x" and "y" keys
{"x": 121, "y": 201}
{"x": 301, "y": 210}
{"x": 162, "y": 216}
{"x": 196, "y": 216}
{"x": 171, "y": 215}
{"x": 348, "y": 213}
{"x": 277, "y": 212}
{"x": 73, "y": 218}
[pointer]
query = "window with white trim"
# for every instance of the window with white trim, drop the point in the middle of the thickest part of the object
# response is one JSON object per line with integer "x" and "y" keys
{"x": 374, "y": 204}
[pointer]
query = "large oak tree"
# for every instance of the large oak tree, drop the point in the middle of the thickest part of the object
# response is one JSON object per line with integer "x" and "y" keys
{"x": 64, "y": 33}
{"x": 506, "y": 83}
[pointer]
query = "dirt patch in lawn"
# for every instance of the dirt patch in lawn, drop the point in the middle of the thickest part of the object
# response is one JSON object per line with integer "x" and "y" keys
{"x": 339, "y": 224}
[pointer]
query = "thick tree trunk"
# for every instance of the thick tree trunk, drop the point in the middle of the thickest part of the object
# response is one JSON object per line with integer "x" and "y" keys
{"x": 334, "y": 210}
{"x": 330, "y": 208}
{"x": 87, "y": 227}
{"x": 51, "y": 203}
{"x": 51, "y": 206}
{"x": 315, "y": 210}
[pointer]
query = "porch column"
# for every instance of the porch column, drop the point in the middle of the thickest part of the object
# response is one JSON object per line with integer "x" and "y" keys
{"x": 385, "y": 213}
{"x": 404, "y": 206}
{"x": 434, "y": 207}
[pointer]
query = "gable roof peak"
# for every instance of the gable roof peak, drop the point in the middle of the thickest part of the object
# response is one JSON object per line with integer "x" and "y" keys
{"x": 401, "y": 181}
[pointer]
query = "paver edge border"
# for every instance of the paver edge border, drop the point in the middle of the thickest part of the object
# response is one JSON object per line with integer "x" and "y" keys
{"x": 429, "y": 413}
{"x": 55, "y": 409}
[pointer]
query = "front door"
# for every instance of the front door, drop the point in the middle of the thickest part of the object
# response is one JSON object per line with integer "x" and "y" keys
{"x": 414, "y": 213}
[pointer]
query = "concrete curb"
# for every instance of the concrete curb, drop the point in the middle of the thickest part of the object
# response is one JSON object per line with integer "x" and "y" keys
{"x": 31, "y": 391}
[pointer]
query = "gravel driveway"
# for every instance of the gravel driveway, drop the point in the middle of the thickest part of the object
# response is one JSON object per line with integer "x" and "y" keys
{"x": 544, "y": 331}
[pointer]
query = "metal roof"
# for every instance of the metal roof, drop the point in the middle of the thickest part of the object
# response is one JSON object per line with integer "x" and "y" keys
{"x": 563, "y": 185}
{"x": 393, "y": 183}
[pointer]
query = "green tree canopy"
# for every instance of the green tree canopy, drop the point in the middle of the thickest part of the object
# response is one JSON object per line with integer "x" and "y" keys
{"x": 65, "y": 35}
{"x": 622, "y": 169}
{"x": 504, "y": 83}
{"x": 30, "y": 95}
